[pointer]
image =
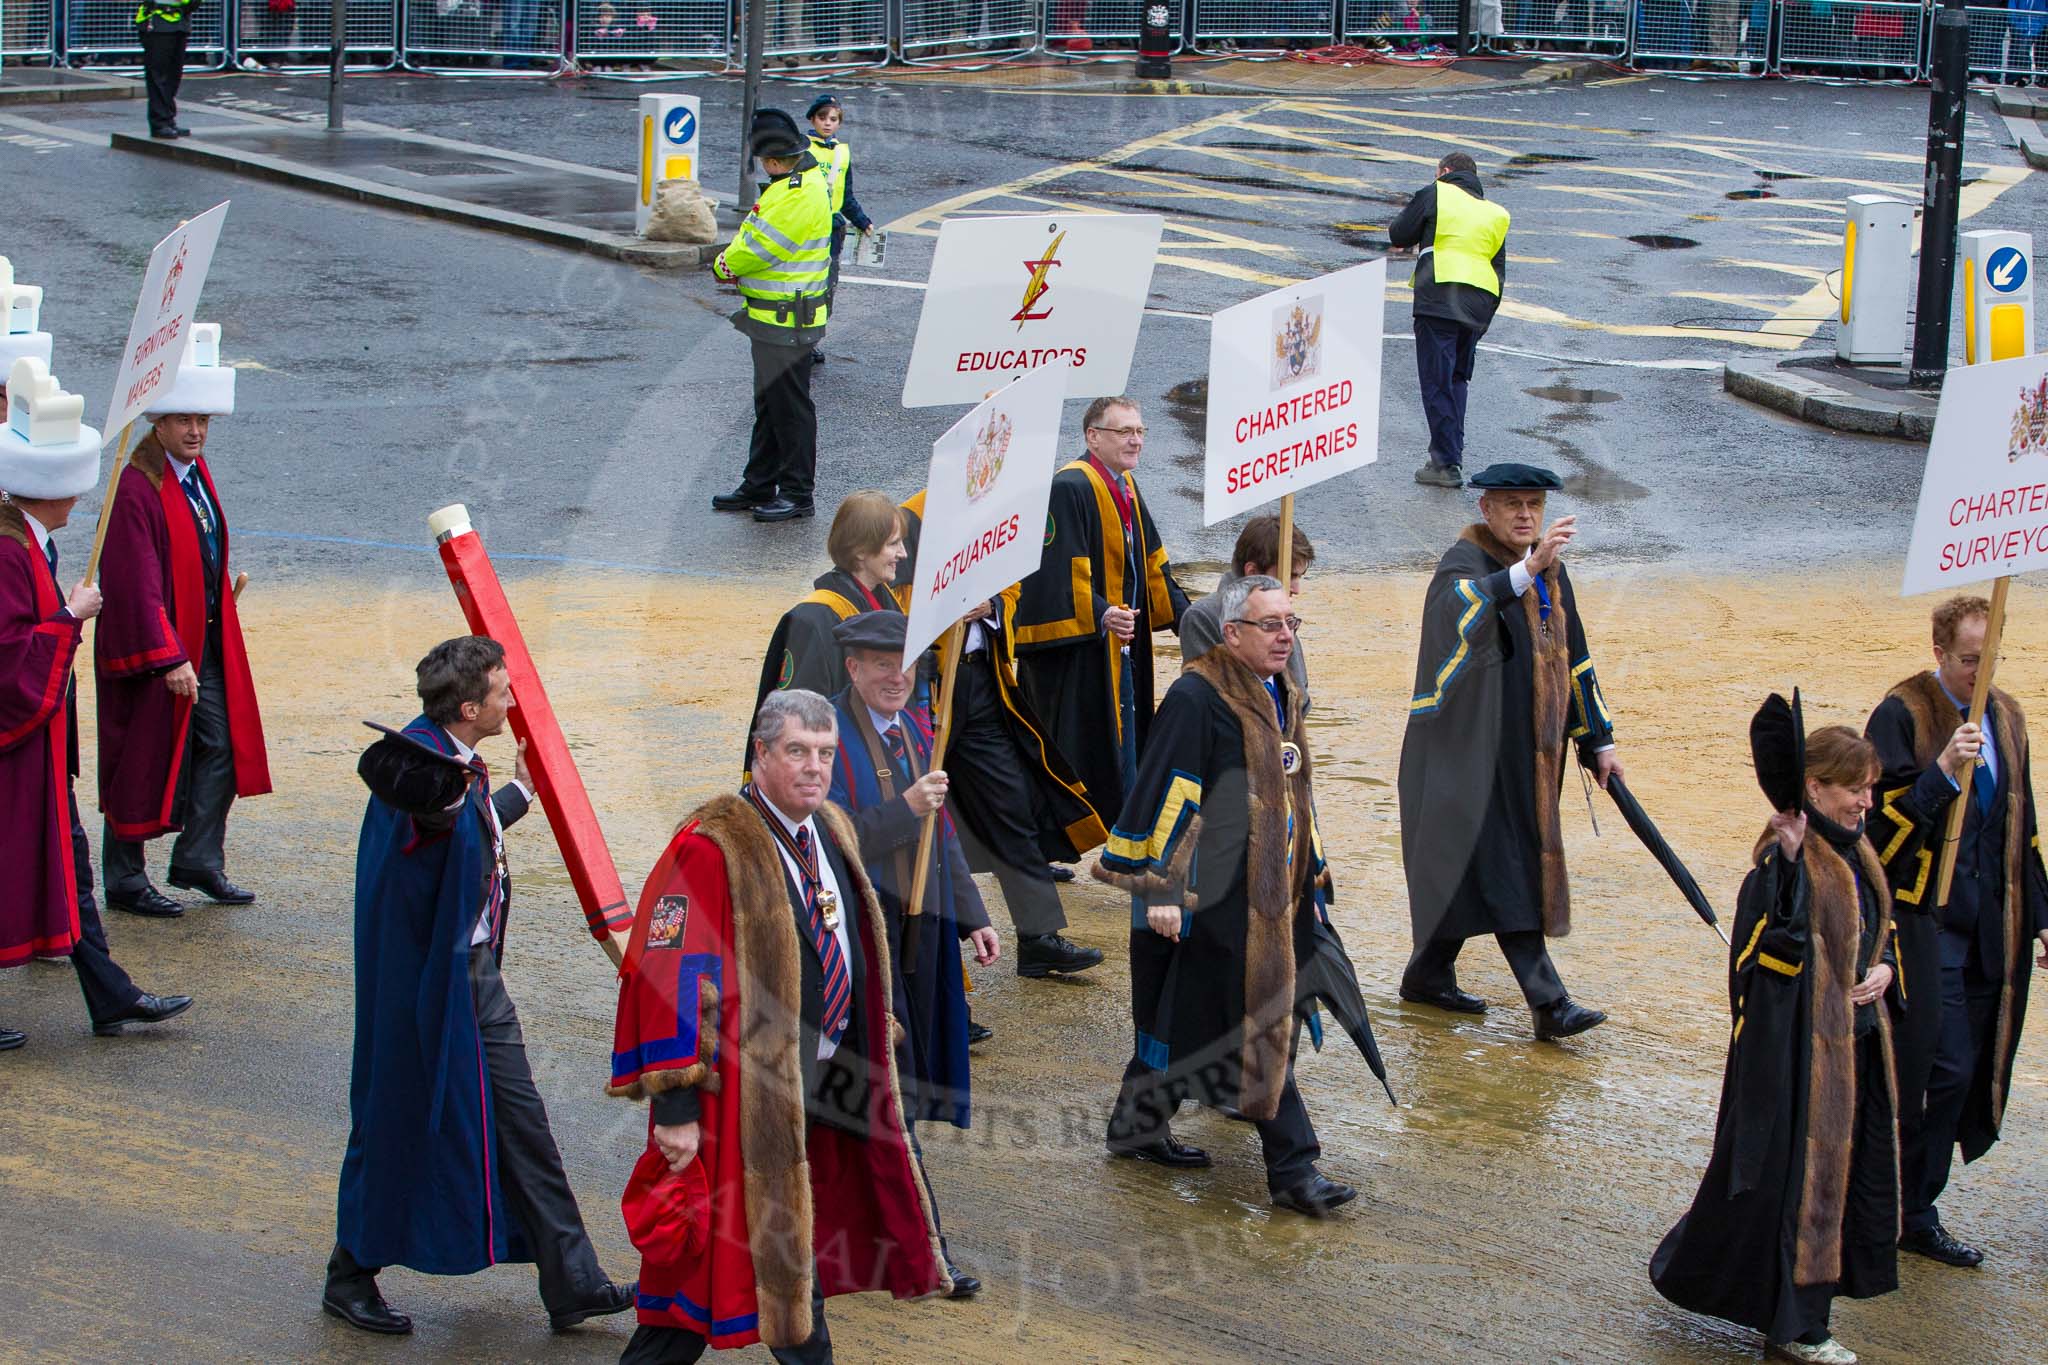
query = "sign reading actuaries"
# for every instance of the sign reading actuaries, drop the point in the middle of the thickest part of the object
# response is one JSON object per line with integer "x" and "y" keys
{"x": 162, "y": 326}
{"x": 1014, "y": 294}
{"x": 1294, "y": 389}
{"x": 1984, "y": 498}
{"x": 985, "y": 504}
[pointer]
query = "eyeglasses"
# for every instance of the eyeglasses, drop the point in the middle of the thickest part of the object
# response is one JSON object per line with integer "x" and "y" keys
{"x": 1122, "y": 433}
{"x": 1271, "y": 625}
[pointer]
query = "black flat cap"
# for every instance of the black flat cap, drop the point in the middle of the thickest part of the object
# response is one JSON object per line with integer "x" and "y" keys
{"x": 1513, "y": 475}
{"x": 410, "y": 774}
{"x": 828, "y": 100}
{"x": 775, "y": 134}
{"x": 882, "y": 631}
{"x": 1777, "y": 745}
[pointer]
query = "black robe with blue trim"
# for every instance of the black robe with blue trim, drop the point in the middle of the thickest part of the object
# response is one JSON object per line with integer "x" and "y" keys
{"x": 1500, "y": 686}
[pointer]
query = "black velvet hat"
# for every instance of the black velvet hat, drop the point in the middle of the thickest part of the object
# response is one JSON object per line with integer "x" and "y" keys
{"x": 410, "y": 774}
{"x": 1512, "y": 475}
{"x": 881, "y": 631}
{"x": 775, "y": 134}
{"x": 1777, "y": 745}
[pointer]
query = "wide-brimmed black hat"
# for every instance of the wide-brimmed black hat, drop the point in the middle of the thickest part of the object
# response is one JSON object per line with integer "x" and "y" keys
{"x": 1777, "y": 745}
{"x": 775, "y": 134}
{"x": 410, "y": 774}
{"x": 1512, "y": 475}
{"x": 881, "y": 631}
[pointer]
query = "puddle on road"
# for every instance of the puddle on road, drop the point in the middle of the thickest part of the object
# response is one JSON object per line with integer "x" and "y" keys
{"x": 1658, "y": 241}
{"x": 1783, "y": 175}
{"x": 1545, "y": 159}
{"x": 1564, "y": 393}
{"x": 1751, "y": 194}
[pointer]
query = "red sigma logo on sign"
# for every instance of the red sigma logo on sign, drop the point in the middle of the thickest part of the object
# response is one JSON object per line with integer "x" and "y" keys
{"x": 1040, "y": 286}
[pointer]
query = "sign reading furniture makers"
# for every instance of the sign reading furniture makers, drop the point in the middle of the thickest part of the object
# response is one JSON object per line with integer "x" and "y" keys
{"x": 1010, "y": 295}
{"x": 1294, "y": 389}
{"x": 162, "y": 326}
{"x": 1984, "y": 498}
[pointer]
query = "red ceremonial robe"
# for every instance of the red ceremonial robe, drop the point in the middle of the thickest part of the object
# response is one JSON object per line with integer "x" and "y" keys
{"x": 38, "y": 752}
{"x": 155, "y": 619}
{"x": 709, "y": 998}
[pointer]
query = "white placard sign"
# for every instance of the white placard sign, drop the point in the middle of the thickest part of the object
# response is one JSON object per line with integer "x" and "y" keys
{"x": 1294, "y": 389}
{"x": 163, "y": 318}
{"x": 1014, "y": 294}
{"x": 1984, "y": 498}
{"x": 985, "y": 504}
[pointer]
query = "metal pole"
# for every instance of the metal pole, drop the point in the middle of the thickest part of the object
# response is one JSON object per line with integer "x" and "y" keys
{"x": 1464, "y": 28}
{"x": 336, "y": 59}
{"x": 757, "y": 38}
{"x": 1951, "y": 73}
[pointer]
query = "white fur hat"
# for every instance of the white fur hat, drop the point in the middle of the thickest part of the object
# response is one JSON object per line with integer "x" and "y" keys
{"x": 203, "y": 384}
{"x": 45, "y": 450}
{"x": 15, "y": 345}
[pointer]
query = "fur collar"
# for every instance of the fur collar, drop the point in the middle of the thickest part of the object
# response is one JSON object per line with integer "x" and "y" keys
{"x": 149, "y": 457}
{"x": 14, "y": 526}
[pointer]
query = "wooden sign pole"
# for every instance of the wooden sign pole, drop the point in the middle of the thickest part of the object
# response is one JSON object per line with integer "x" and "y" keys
{"x": 1987, "y": 664}
{"x": 955, "y": 638}
{"x": 99, "y": 535}
{"x": 1286, "y": 565}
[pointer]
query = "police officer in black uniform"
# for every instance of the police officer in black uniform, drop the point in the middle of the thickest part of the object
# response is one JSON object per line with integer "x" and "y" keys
{"x": 164, "y": 27}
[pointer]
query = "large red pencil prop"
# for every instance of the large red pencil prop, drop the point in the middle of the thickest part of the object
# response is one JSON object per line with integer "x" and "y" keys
{"x": 533, "y": 719}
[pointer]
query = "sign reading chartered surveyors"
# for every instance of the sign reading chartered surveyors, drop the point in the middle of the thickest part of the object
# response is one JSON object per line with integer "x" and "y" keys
{"x": 1984, "y": 498}
{"x": 1294, "y": 389}
{"x": 1011, "y": 295}
{"x": 985, "y": 503}
{"x": 162, "y": 326}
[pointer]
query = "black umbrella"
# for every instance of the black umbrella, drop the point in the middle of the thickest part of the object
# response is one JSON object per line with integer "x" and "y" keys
{"x": 1328, "y": 976}
{"x": 1639, "y": 821}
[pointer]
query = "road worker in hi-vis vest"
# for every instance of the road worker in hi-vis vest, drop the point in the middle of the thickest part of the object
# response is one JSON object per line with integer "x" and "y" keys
{"x": 780, "y": 259}
{"x": 163, "y": 27}
{"x": 826, "y": 115}
{"x": 1462, "y": 263}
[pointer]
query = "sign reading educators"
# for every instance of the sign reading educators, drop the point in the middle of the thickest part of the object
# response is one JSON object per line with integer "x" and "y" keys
{"x": 162, "y": 326}
{"x": 1294, "y": 389}
{"x": 1984, "y": 498}
{"x": 1015, "y": 294}
{"x": 985, "y": 504}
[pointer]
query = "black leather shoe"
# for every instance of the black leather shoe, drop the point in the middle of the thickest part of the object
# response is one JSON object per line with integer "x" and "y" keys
{"x": 1060, "y": 872}
{"x": 1937, "y": 1245}
{"x": 11, "y": 1039}
{"x": 148, "y": 902}
{"x": 1161, "y": 1151}
{"x": 1318, "y": 1196}
{"x": 1043, "y": 954}
{"x": 179, "y": 130}
{"x": 147, "y": 1009}
{"x": 1453, "y": 999}
{"x": 978, "y": 1033}
{"x": 613, "y": 1298}
{"x": 1565, "y": 1018}
{"x": 965, "y": 1286}
{"x": 162, "y": 134}
{"x": 360, "y": 1305}
{"x": 782, "y": 509}
{"x": 738, "y": 501}
{"x": 215, "y": 886}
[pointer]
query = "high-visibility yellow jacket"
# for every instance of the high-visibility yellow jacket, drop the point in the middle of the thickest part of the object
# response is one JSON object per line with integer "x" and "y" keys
{"x": 1464, "y": 258}
{"x": 781, "y": 259}
{"x": 837, "y": 160}
{"x": 163, "y": 13}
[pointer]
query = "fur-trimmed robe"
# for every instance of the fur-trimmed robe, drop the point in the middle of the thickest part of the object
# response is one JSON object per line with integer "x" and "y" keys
{"x": 709, "y": 997}
{"x": 1779, "y": 1211}
{"x": 1214, "y": 824}
{"x": 1498, "y": 691}
{"x": 1998, "y": 900}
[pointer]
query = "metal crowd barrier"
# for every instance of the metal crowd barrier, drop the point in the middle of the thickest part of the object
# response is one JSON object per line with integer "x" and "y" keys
{"x": 1885, "y": 37}
{"x": 102, "y": 32}
{"x": 511, "y": 35}
{"x": 301, "y": 33}
{"x": 1082, "y": 28}
{"x": 28, "y": 28}
{"x": 1587, "y": 26}
{"x": 836, "y": 32}
{"x": 1735, "y": 34}
{"x": 1400, "y": 21}
{"x": 987, "y": 26}
{"x": 2009, "y": 43}
{"x": 608, "y": 31}
{"x": 1269, "y": 20}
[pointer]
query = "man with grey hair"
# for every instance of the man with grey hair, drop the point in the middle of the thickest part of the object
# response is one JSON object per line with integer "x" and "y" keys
{"x": 1217, "y": 845}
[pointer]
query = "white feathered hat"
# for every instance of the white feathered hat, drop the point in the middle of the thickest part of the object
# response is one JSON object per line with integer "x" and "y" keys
{"x": 45, "y": 451}
{"x": 203, "y": 384}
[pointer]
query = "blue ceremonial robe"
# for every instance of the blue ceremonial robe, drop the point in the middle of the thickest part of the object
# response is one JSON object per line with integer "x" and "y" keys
{"x": 419, "y": 1184}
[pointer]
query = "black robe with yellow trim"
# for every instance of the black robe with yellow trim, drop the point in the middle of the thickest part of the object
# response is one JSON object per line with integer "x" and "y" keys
{"x": 802, "y": 652}
{"x": 1998, "y": 899}
{"x": 1794, "y": 1207}
{"x": 1069, "y": 666}
{"x": 1498, "y": 692}
{"x": 1068, "y": 823}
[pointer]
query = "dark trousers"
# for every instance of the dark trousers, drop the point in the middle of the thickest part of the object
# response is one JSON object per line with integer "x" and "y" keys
{"x": 783, "y": 455}
{"x": 680, "y": 1346}
{"x": 1433, "y": 967}
{"x": 1149, "y": 1099}
{"x": 163, "y": 71}
{"x": 1969, "y": 1021}
{"x": 206, "y": 782}
{"x": 992, "y": 800}
{"x": 1444, "y": 352}
{"x": 107, "y": 988}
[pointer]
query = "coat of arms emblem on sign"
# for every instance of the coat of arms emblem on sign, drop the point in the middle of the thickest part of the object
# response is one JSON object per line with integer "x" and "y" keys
{"x": 1297, "y": 341}
{"x": 2030, "y": 423}
{"x": 985, "y": 457}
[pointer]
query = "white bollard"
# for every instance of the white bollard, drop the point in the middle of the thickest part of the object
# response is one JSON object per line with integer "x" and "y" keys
{"x": 1998, "y": 295}
{"x": 668, "y": 148}
{"x": 1877, "y": 261}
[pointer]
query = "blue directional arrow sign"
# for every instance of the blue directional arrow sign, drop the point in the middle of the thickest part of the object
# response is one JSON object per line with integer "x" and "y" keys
{"x": 680, "y": 126}
{"x": 2006, "y": 270}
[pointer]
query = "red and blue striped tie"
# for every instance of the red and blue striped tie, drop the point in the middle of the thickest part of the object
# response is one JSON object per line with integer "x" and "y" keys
{"x": 838, "y": 988}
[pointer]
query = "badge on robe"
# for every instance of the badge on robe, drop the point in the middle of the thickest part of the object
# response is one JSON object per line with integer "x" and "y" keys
{"x": 665, "y": 925}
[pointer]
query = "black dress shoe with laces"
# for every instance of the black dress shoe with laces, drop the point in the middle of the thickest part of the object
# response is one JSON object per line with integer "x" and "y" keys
{"x": 1161, "y": 1151}
{"x": 978, "y": 1033}
{"x": 1565, "y": 1018}
{"x": 739, "y": 500}
{"x": 360, "y": 1305}
{"x": 1936, "y": 1244}
{"x": 1060, "y": 872}
{"x": 11, "y": 1039}
{"x": 148, "y": 902}
{"x": 1450, "y": 998}
{"x": 1316, "y": 1196}
{"x": 613, "y": 1298}
{"x": 782, "y": 509}
{"x": 147, "y": 1009}
{"x": 215, "y": 886}
{"x": 965, "y": 1286}
{"x": 1043, "y": 954}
